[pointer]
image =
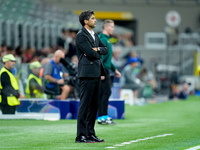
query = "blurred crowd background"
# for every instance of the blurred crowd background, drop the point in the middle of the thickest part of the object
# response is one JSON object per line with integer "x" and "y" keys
{"x": 169, "y": 54}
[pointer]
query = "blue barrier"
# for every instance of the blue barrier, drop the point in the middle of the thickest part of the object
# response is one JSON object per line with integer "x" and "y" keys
{"x": 68, "y": 109}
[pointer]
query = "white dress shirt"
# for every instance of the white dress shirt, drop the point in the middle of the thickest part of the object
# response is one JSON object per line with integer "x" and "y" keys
{"x": 91, "y": 33}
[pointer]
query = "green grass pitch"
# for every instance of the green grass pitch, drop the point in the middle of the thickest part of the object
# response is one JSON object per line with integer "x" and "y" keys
{"x": 180, "y": 119}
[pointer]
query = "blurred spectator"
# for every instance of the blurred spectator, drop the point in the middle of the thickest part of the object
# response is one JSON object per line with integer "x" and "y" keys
{"x": 44, "y": 61}
{"x": 3, "y": 53}
{"x": 174, "y": 78}
{"x": 74, "y": 60}
{"x": 126, "y": 39}
{"x": 37, "y": 56}
{"x": 140, "y": 60}
{"x": 130, "y": 80}
{"x": 19, "y": 51}
{"x": 72, "y": 47}
{"x": 116, "y": 60}
{"x": 34, "y": 88}
{"x": 8, "y": 86}
{"x": 147, "y": 77}
{"x": 19, "y": 55}
{"x": 179, "y": 92}
{"x": 54, "y": 76}
{"x": 4, "y": 47}
{"x": 129, "y": 40}
{"x": 14, "y": 71}
{"x": 133, "y": 54}
{"x": 11, "y": 50}
{"x": 3, "y": 50}
{"x": 50, "y": 55}
{"x": 184, "y": 92}
{"x": 120, "y": 40}
{"x": 28, "y": 55}
{"x": 46, "y": 51}
{"x": 63, "y": 40}
{"x": 174, "y": 92}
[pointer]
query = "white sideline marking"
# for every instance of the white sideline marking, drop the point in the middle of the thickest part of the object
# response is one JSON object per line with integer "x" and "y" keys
{"x": 138, "y": 140}
{"x": 194, "y": 148}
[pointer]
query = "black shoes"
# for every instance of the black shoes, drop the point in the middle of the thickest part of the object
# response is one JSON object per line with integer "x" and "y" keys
{"x": 94, "y": 137}
{"x": 90, "y": 139}
{"x": 83, "y": 139}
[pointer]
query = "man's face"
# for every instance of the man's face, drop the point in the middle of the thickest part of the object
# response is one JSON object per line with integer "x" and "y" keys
{"x": 91, "y": 22}
{"x": 134, "y": 64}
{"x": 58, "y": 57}
{"x": 10, "y": 64}
{"x": 110, "y": 28}
{"x": 36, "y": 71}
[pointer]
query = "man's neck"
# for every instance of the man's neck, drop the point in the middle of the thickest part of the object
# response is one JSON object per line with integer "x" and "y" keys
{"x": 54, "y": 59}
{"x": 105, "y": 32}
{"x": 87, "y": 27}
{"x": 37, "y": 75}
{"x": 7, "y": 67}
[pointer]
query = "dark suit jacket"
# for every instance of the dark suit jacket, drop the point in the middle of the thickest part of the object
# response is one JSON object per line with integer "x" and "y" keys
{"x": 89, "y": 65}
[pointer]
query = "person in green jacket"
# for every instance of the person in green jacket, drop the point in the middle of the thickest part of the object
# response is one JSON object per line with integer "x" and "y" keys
{"x": 108, "y": 28}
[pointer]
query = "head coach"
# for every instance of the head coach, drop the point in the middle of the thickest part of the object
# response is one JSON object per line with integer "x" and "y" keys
{"x": 89, "y": 50}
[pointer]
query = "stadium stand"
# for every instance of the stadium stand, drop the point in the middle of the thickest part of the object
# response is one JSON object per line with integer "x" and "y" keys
{"x": 36, "y": 19}
{"x": 37, "y": 23}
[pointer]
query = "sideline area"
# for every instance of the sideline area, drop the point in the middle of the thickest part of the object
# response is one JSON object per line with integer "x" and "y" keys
{"x": 138, "y": 140}
{"x": 180, "y": 118}
{"x": 54, "y": 109}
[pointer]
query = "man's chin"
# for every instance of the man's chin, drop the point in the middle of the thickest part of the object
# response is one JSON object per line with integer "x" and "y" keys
{"x": 92, "y": 26}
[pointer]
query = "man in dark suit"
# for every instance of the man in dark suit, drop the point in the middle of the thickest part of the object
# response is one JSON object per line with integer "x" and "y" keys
{"x": 89, "y": 50}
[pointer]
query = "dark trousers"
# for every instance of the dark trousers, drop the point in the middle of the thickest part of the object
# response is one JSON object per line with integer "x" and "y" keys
{"x": 89, "y": 95}
{"x": 104, "y": 95}
{"x": 6, "y": 109}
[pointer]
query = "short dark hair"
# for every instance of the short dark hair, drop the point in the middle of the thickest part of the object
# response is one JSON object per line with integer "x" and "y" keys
{"x": 85, "y": 15}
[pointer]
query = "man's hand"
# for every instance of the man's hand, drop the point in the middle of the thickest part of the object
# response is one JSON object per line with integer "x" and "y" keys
{"x": 22, "y": 96}
{"x": 102, "y": 77}
{"x": 117, "y": 73}
{"x": 95, "y": 49}
{"x": 60, "y": 81}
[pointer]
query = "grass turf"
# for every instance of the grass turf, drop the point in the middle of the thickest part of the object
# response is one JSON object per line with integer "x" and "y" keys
{"x": 180, "y": 118}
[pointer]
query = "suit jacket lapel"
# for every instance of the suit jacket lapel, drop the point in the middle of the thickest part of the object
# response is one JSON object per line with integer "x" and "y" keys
{"x": 96, "y": 39}
{"x": 89, "y": 36}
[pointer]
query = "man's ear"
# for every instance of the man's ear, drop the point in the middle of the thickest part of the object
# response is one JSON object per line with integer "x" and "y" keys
{"x": 86, "y": 22}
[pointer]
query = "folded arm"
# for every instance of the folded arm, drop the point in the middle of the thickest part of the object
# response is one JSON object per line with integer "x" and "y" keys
{"x": 83, "y": 44}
